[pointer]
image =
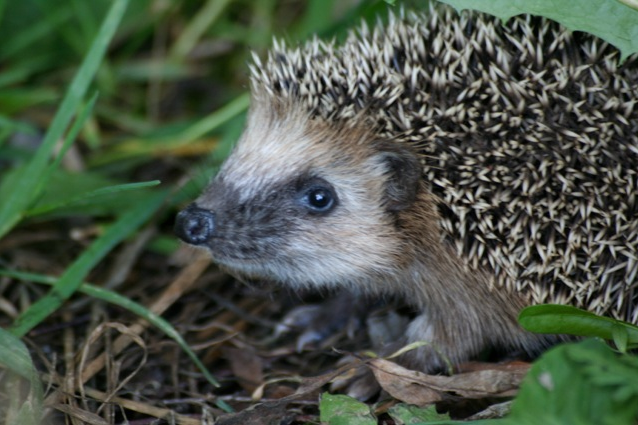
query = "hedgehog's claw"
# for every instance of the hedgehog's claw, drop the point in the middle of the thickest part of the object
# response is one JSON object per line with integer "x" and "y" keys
{"x": 317, "y": 323}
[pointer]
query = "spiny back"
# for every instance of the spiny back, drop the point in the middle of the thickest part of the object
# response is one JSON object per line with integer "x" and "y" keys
{"x": 528, "y": 135}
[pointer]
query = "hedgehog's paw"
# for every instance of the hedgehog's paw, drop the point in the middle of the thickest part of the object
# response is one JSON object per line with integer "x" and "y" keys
{"x": 386, "y": 329}
{"x": 361, "y": 382}
{"x": 431, "y": 351}
{"x": 317, "y": 324}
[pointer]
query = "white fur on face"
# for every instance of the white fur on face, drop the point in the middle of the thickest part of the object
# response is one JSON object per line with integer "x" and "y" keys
{"x": 354, "y": 243}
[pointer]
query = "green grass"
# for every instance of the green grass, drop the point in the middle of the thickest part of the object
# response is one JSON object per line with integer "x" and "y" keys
{"x": 27, "y": 183}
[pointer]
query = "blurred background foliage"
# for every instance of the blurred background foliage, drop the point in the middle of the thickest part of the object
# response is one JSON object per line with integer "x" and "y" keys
{"x": 170, "y": 65}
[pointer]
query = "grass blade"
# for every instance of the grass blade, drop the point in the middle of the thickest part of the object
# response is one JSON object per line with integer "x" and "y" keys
{"x": 79, "y": 122}
{"x": 85, "y": 198}
{"x": 25, "y": 189}
{"x": 121, "y": 301}
{"x": 74, "y": 275}
{"x": 173, "y": 141}
{"x": 196, "y": 28}
{"x": 215, "y": 119}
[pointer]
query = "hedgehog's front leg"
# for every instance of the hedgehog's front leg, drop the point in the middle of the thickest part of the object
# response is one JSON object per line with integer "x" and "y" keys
{"x": 317, "y": 323}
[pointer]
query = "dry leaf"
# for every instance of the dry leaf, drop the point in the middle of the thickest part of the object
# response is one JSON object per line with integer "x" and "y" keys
{"x": 420, "y": 389}
{"x": 86, "y": 417}
{"x": 246, "y": 366}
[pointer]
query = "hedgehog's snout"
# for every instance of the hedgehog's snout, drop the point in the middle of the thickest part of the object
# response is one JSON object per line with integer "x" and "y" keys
{"x": 195, "y": 225}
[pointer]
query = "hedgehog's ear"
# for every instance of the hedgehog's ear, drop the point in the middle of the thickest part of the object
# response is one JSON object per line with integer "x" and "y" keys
{"x": 404, "y": 174}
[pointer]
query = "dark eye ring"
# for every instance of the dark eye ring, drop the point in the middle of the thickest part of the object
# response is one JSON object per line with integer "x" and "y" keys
{"x": 319, "y": 199}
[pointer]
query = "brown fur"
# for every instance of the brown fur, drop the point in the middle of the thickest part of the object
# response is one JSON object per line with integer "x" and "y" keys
{"x": 470, "y": 181}
{"x": 463, "y": 311}
{"x": 384, "y": 238}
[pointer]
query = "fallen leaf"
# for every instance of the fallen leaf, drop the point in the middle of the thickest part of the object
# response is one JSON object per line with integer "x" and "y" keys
{"x": 420, "y": 389}
{"x": 246, "y": 366}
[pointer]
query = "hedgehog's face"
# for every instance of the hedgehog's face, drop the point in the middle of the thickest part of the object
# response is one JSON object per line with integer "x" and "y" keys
{"x": 302, "y": 203}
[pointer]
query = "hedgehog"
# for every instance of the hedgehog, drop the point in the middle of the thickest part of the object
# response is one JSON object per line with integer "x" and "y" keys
{"x": 467, "y": 166}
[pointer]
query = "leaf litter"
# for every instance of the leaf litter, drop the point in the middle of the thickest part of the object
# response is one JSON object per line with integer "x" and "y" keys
{"x": 109, "y": 362}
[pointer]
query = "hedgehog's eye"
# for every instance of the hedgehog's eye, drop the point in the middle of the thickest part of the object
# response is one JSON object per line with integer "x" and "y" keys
{"x": 318, "y": 198}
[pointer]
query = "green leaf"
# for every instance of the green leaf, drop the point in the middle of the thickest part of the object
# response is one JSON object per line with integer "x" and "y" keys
{"x": 579, "y": 383}
{"x": 610, "y": 20}
{"x": 620, "y": 335}
{"x": 340, "y": 409}
{"x": 405, "y": 414}
{"x": 563, "y": 319}
{"x": 15, "y": 357}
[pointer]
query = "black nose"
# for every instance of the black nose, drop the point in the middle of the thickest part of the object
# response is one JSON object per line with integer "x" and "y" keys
{"x": 195, "y": 225}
